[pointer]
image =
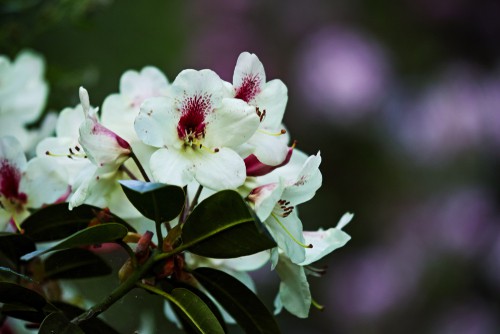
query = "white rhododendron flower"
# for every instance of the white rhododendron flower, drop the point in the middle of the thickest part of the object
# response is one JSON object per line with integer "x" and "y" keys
{"x": 275, "y": 202}
{"x": 269, "y": 143}
{"x": 25, "y": 185}
{"x": 120, "y": 110}
{"x": 105, "y": 149}
{"x": 196, "y": 130}
{"x": 294, "y": 294}
{"x": 23, "y": 92}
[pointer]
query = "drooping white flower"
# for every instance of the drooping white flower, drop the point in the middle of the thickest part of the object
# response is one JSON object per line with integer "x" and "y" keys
{"x": 23, "y": 93}
{"x": 269, "y": 143}
{"x": 24, "y": 184}
{"x": 196, "y": 130}
{"x": 294, "y": 294}
{"x": 275, "y": 201}
{"x": 105, "y": 149}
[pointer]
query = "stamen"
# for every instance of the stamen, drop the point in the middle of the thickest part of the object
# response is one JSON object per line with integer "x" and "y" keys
{"x": 290, "y": 234}
{"x": 71, "y": 154}
{"x": 282, "y": 132}
{"x": 208, "y": 149}
{"x": 316, "y": 305}
{"x": 261, "y": 114}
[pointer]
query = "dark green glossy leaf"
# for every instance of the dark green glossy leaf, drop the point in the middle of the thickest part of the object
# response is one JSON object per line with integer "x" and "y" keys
{"x": 56, "y": 221}
{"x": 170, "y": 284}
{"x": 222, "y": 226}
{"x": 13, "y": 246}
{"x": 97, "y": 234}
{"x": 156, "y": 201}
{"x": 57, "y": 323}
{"x": 238, "y": 300}
{"x": 23, "y": 312}
{"x": 93, "y": 326}
{"x": 192, "y": 308}
{"x": 75, "y": 263}
{"x": 11, "y": 293}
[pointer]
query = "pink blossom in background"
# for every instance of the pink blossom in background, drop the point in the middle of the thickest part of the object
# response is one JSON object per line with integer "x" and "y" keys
{"x": 342, "y": 73}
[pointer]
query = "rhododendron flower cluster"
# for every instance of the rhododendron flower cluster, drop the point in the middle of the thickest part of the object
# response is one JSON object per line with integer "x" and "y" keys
{"x": 199, "y": 173}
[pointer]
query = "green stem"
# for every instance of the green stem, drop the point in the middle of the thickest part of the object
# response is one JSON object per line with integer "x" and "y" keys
{"x": 195, "y": 199}
{"x": 128, "y": 172}
{"x": 117, "y": 294}
{"x": 139, "y": 165}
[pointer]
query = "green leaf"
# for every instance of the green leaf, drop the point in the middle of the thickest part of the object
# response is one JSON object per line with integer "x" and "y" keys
{"x": 238, "y": 300}
{"x": 222, "y": 226}
{"x": 170, "y": 284}
{"x": 23, "y": 312}
{"x": 97, "y": 234}
{"x": 55, "y": 222}
{"x": 75, "y": 263}
{"x": 93, "y": 325}
{"x": 15, "y": 273}
{"x": 11, "y": 293}
{"x": 13, "y": 246}
{"x": 195, "y": 311}
{"x": 156, "y": 201}
{"x": 57, "y": 323}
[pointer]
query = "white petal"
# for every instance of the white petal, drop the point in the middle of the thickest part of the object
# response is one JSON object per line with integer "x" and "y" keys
{"x": 324, "y": 242}
{"x": 43, "y": 181}
{"x": 172, "y": 167}
{"x": 265, "y": 198}
{"x": 148, "y": 83}
{"x": 69, "y": 122}
{"x": 290, "y": 247}
{"x": 294, "y": 288}
{"x": 269, "y": 149}
{"x": 231, "y": 125}
{"x": 156, "y": 124}
{"x": 222, "y": 170}
{"x": 306, "y": 183}
{"x": 249, "y": 68}
{"x": 249, "y": 262}
{"x": 272, "y": 99}
{"x": 83, "y": 186}
{"x": 195, "y": 83}
{"x": 119, "y": 115}
{"x": 11, "y": 150}
{"x": 344, "y": 220}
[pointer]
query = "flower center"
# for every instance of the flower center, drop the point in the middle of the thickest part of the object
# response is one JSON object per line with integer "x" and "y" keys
{"x": 10, "y": 177}
{"x": 249, "y": 88}
{"x": 191, "y": 126}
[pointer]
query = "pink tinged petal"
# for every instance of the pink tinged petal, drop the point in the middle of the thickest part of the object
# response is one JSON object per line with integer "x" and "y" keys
{"x": 156, "y": 124}
{"x": 265, "y": 198}
{"x": 257, "y": 168}
{"x": 269, "y": 149}
{"x": 194, "y": 109}
{"x": 11, "y": 150}
{"x": 103, "y": 147}
{"x": 224, "y": 169}
{"x": 273, "y": 99}
{"x": 294, "y": 290}
{"x": 290, "y": 247}
{"x": 10, "y": 178}
{"x": 231, "y": 125}
{"x": 172, "y": 167}
{"x": 249, "y": 77}
{"x": 44, "y": 182}
{"x": 324, "y": 242}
